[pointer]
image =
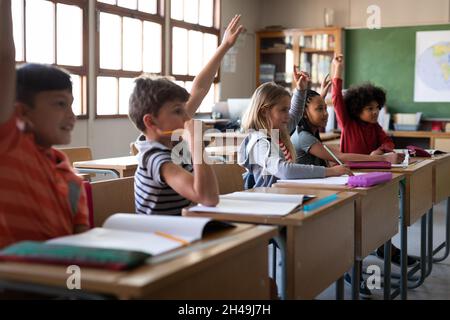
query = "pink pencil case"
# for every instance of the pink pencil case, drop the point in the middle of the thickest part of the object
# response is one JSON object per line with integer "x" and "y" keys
{"x": 368, "y": 164}
{"x": 369, "y": 179}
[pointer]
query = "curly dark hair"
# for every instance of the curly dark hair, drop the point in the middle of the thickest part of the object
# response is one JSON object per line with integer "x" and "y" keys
{"x": 357, "y": 97}
{"x": 150, "y": 94}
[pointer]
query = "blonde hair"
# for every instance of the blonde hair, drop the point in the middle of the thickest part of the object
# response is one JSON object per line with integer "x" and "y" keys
{"x": 265, "y": 97}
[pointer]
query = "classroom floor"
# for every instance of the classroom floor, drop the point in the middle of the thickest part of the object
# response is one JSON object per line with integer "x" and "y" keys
{"x": 436, "y": 286}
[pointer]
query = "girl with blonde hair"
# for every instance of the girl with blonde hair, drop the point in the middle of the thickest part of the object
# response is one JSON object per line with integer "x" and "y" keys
{"x": 267, "y": 152}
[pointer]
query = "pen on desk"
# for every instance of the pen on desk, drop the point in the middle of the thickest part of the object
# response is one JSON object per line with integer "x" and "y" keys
{"x": 171, "y": 237}
{"x": 321, "y": 202}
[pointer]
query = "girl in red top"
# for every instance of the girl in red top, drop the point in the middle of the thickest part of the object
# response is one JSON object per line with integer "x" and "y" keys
{"x": 357, "y": 115}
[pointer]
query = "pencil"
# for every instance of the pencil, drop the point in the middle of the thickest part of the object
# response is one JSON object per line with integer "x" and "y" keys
{"x": 171, "y": 237}
{"x": 332, "y": 154}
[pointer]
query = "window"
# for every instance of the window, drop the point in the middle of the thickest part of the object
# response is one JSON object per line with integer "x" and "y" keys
{"x": 54, "y": 32}
{"x": 130, "y": 42}
{"x": 195, "y": 37}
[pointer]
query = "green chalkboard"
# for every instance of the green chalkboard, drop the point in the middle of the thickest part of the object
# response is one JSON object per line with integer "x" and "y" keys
{"x": 386, "y": 57}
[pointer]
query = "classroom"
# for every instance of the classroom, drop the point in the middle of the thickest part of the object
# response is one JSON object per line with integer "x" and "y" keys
{"x": 225, "y": 149}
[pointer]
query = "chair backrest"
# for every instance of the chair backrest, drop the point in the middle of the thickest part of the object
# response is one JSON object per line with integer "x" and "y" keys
{"x": 77, "y": 154}
{"x": 112, "y": 196}
{"x": 229, "y": 177}
{"x": 133, "y": 150}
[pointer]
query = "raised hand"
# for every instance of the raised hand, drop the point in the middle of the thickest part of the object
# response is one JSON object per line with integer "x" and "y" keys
{"x": 232, "y": 31}
{"x": 302, "y": 79}
{"x": 325, "y": 86}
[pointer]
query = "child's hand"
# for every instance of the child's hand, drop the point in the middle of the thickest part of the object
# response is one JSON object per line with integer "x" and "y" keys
{"x": 395, "y": 158}
{"x": 338, "y": 171}
{"x": 302, "y": 79}
{"x": 325, "y": 86}
{"x": 377, "y": 152}
{"x": 338, "y": 64}
{"x": 232, "y": 32}
{"x": 193, "y": 133}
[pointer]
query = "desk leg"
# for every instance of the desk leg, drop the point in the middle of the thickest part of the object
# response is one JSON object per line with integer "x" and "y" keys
{"x": 280, "y": 241}
{"x": 340, "y": 289}
{"x": 430, "y": 242}
{"x": 356, "y": 278}
{"x": 387, "y": 270}
{"x": 403, "y": 245}
{"x": 445, "y": 244}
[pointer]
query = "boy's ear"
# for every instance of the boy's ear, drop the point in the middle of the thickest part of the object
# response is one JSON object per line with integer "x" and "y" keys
{"x": 149, "y": 121}
{"x": 22, "y": 111}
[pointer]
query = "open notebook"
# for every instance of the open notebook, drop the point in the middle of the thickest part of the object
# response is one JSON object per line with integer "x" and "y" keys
{"x": 338, "y": 181}
{"x": 152, "y": 234}
{"x": 254, "y": 203}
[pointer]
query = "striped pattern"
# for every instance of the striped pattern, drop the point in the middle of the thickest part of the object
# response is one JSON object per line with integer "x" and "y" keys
{"x": 152, "y": 194}
{"x": 285, "y": 150}
{"x": 40, "y": 196}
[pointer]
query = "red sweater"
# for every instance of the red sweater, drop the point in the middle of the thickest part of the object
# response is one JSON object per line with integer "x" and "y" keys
{"x": 357, "y": 136}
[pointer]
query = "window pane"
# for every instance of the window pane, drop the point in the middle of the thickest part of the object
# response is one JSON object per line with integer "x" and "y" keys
{"x": 110, "y": 41}
{"x": 108, "y": 1}
{"x": 76, "y": 92}
{"x": 149, "y": 6}
{"x": 130, "y": 4}
{"x": 179, "y": 51}
{"x": 208, "y": 101}
{"x": 206, "y": 13}
{"x": 210, "y": 43}
{"x": 195, "y": 55}
{"x": 176, "y": 9}
{"x": 40, "y": 31}
{"x": 132, "y": 44}
{"x": 126, "y": 86}
{"x": 152, "y": 47}
{"x": 107, "y": 96}
{"x": 17, "y": 14}
{"x": 69, "y": 35}
{"x": 191, "y": 11}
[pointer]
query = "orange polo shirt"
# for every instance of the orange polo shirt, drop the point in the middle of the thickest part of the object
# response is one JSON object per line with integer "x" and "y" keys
{"x": 40, "y": 195}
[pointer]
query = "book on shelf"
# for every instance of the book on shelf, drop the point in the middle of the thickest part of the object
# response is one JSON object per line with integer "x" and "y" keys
{"x": 254, "y": 203}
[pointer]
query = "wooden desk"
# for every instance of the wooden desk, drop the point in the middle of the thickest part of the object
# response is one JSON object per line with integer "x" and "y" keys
{"x": 319, "y": 245}
{"x": 120, "y": 166}
{"x": 232, "y": 264}
{"x": 328, "y": 136}
{"x": 435, "y": 139}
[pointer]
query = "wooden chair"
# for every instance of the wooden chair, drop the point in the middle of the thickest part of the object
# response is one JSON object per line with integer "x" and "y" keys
{"x": 77, "y": 154}
{"x": 229, "y": 177}
{"x": 112, "y": 196}
{"x": 133, "y": 150}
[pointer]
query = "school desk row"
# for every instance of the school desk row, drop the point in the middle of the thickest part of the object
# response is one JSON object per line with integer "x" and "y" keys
{"x": 317, "y": 247}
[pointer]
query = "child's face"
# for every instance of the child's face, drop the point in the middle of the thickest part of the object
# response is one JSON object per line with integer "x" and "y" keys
{"x": 51, "y": 118}
{"x": 370, "y": 112}
{"x": 316, "y": 112}
{"x": 279, "y": 113}
{"x": 171, "y": 116}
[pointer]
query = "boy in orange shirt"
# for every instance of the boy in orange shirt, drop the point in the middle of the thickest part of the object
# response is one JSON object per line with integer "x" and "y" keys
{"x": 40, "y": 195}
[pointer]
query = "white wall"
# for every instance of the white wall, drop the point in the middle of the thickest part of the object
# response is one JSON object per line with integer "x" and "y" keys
{"x": 352, "y": 13}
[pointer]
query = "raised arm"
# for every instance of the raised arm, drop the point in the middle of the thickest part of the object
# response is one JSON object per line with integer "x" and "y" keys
{"x": 298, "y": 98}
{"x": 342, "y": 114}
{"x": 202, "y": 82}
{"x": 7, "y": 63}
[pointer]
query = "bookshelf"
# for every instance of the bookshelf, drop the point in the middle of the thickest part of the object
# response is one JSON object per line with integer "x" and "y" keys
{"x": 277, "y": 51}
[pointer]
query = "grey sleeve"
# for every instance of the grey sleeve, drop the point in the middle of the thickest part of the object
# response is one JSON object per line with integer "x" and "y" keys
{"x": 297, "y": 107}
{"x": 304, "y": 141}
{"x": 273, "y": 164}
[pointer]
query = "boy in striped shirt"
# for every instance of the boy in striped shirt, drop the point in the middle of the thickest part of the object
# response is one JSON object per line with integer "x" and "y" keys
{"x": 164, "y": 182}
{"x": 40, "y": 195}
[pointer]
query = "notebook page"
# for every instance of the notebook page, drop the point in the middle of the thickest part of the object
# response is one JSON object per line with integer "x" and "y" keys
{"x": 264, "y": 196}
{"x": 186, "y": 228}
{"x": 117, "y": 239}
{"x": 339, "y": 181}
{"x": 250, "y": 207}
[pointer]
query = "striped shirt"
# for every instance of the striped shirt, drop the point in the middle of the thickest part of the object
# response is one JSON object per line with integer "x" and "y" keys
{"x": 285, "y": 150}
{"x": 152, "y": 194}
{"x": 40, "y": 195}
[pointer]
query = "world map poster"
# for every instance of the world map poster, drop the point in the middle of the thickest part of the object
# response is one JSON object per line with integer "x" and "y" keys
{"x": 432, "y": 79}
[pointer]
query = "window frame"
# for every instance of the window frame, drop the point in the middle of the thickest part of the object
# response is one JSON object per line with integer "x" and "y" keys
{"x": 158, "y": 18}
{"x": 82, "y": 70}
{"x": 214, "y": 30}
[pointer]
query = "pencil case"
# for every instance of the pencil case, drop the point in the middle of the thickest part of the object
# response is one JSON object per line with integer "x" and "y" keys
{"x": 369, "y": 179}
{"x": 368, "y": 164}
{"x": 41, "y": 252}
